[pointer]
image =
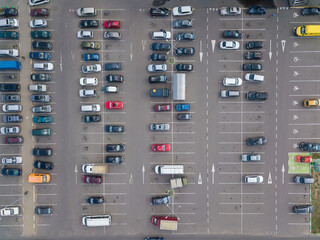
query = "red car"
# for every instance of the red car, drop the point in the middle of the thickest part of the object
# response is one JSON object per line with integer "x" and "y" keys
{"x": 112, "y": 24}
{"x": 114, "y": 105}
{"x": 92, "y": 179}
{"x": 161, "y": 147}
{"x": 162, "y": 107}
{"x": 39, "y": 12}
{"x": 303, "y": 159}
{"x": 13, "y": 140}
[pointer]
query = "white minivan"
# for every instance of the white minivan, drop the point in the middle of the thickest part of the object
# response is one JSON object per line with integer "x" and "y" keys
{"x": 169, "y": 169}
{"x": 96, "y": 221}
{"x": 91, "y": 108}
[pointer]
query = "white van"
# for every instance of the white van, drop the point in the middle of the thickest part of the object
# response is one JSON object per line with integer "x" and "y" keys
{"x": 91, "y": 108}
{"x": 96, "y": 221}
{"x": 9, "y": 52}
{"x": 9, "y": 23}
{"x": 251, "y": 77}
{"x": 169, "y": 169}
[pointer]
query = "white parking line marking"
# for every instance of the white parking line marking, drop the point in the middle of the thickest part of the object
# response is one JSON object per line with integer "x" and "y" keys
{"x": 241, "y": 213}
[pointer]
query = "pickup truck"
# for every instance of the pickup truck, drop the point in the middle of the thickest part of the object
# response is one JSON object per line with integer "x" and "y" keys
{"x": 165, "y": 223}
{"x": 159, "y": 92}
{"x": 95, "y": 168}
{"x": 178, "y": 182}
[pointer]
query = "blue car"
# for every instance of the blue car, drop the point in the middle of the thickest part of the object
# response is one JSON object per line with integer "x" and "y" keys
{"x": 183, "y": 107}
{"x": 91, "y": 57}
{"x": 40, "y": 55}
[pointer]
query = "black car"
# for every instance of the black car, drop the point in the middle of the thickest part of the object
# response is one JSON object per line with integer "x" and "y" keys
{"x": 9, "y": 87}
{"x": 161, "y": 200}
{"x": 158, "y": 79}
{"x": 114, "y": 159}
{"x": 95, "y": 200}
{"x": 40, "y": 77}
{"x": 43, "y": 165}
{"x": 182, "y": 23}
{"x": 232, "y": 34}
{"x": 159, "y": 12}
{"x": 9, "y": 35}
{"x": 114, "y": 128}
{"x": 41, "y": 152}
{"x": 185, "y": 36}
{"x": 12, "y": 118}
{"x": 310, "y": 11}
{"x": 8, "y": 12}
{"x": 256, "y": 141}
{"x": 253, "y": 95}
{"x": 91, "y": 118}
{"x": 257, "y": 10}
{"x": 303, "y": 209}
{"x": 160, "y": 46}
{"x": 254, "y": 45}
{"x": 184, "y": 67}
{"x": 10, "y": 98}
{"x": 115, "y": 147}
{"x": 311, "y": 147}
{"x": 116, "y": 66}
{"x": 253, "y": 55}
{"x": 184, "y": 116}
{"x": 40, "y": 34}
{"x": 158, "y": 57}
{"x": 89, "y": 23}
{"x": 11, "y": 171}
{"x": 187, "y": 51}
{"x": 40, "y": 210}
{"x": 114, "y": 78}
{"x": 42, "y": 45}
{"x": 252, "y": 67}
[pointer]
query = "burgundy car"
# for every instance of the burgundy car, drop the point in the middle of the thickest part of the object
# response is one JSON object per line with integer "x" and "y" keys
{"x": 13, "y": 140}
{"x": 92, "y": 179}
{"x": 39, "y": 12}
{"x": 162, "y": 107}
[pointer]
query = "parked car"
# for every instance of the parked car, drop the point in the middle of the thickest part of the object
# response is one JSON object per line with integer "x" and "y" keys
{"x": 114, "y": 105}
{"x": 161, "y": 35}
{"x": 252, "y": 67}
{"x": 232, "y": 34}
{"x": 42, "y": 109}
{"x": 159, "y": 200}
{"x": 232, "y": 82}
{"x": 253, "y": 95}
{"x": 13, "y": 140}
{"x": 182, "y": 23}
{"x": 158, "y": 79}
{"x": 43, "y": 165}
{"x": 10, "y": 130}
{"x": 159, "y": 12}
{"x": 114, "y": 66}
{"x": 91, "y": 118}
{"x": 311, "y": 102}
{"x": 38, "y": 23}
{"x": 87, "y": 93}
{"x": 43, "y": 66}
{"x": 303, "y": 209}
{"x": 12, "y": 118}
{"x": 11, "y": 171}
{"x": 85, "y": 34}
{"x": 110, "y": 89}
{"x": 9, "y": 87}
{"x": 114, "y": 128}
{"x": 183, "y": 107}
{"x": 251, "y": 77}
{"x": 157, "y": 67}
{"x": 84, "y": 81}
{"x": 256, "y": 141}
{"x": 86, "y": 12}
{"x": 90, "y": 45}
{"x": 11, "y": 160}
{"x": 8, "y": 12}
{"x": 230, "y": 11}
{"x": 92, "y": 179}
{"x": 95, "y": 200}
{"x": 114, "y": 159}
{"x": 162, "y": 107}
{"x": 42, "y": 210}
{"x": 13, "y": 35}
{"x": 114, "y": 78}
{"x": 182, "y": 11}
{"x": 111, "y": 35}
{"x": 40, "y": 34}
{"x": 40, "y": 55}
{"x": 39, "y": 12}
{"x": 38, "y": 87}
{"x": 94, "y": 68}
{"x": 41, "y": 132}
{"x": 10, "y": 98}
{"x": 184, "y": 67}
{"x": 253, "y": 55}
{"x": 9, "y": 211}
{"x": 42, "y": 45}
{"x": 89, "y": 23}
{"x": 310, "y": 11}
{"x": 308, "y": 146}
{"x": 229, "y": 93}
{"x": 40, "y": 77}
{"x": 42, "y": 119}
{"x": 161, "y": 147}
{"x": 253, "y": 179}
{"x": 160, "y": 127}
{"x": 158, "y": 57}
{"x": 184, "y": 116}
{"x": 37, "y": 2}
{"x": 185, "y": 36}
{"x": 12, "y": 108}
{"x": 303, "y": 159}
{"x": 187, "y": 51}
{"x": 250, "y": 157}
{"x": 229, "y": 45}
{"x": 112, "y": 24}
{"x": 254, "y": 45}
{"x": 115, "y": 147}
{"x": 160, "y": 46}
{"x": 257, "y": 10}
{"x": 303, "y": 180}
{"x": 42, "y": 152}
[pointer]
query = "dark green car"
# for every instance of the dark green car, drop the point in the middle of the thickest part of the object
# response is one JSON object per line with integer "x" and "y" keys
{"x": 40, "y": 34}
{"x": 9, "y": 35}
{"x": 41, "y": 132}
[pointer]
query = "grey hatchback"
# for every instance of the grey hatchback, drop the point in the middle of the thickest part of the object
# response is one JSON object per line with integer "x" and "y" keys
{"x": 303, "y": 180}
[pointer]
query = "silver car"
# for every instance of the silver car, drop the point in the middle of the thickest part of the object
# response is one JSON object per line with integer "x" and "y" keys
{"x": 12, "y": 160}
{"x": 160, "y": 127}
{"x": 10, "y": 130}
{"x": 230, "y": 11}
{"x": 42, "y": 109}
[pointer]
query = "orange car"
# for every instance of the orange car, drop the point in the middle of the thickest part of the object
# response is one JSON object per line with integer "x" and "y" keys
{"x": 303, "y": 159}
{"x": 311, "y": 102}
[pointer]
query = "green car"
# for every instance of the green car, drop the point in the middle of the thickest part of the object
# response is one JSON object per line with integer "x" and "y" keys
{"x": 42, "y": 119}
{"x": 41, "y": 132}
{"x": 40, "y": 34}
{"x": 9, "y": 35}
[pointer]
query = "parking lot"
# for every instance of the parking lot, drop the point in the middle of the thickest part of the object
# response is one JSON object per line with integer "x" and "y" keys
{"x": 210, "y": 145}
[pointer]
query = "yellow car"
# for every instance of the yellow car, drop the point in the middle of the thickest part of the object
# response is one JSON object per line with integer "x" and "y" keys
{"x": 311, "y": 102}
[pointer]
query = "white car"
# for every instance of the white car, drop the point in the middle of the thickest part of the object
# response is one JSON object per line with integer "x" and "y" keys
{"x": 91, "y": 68}
{"x": 90, "y": 108}
{"x": 12, "y": 160}
{"x": 161, "y": 35}
{"x": 88, "y": 81}
{"x": 43, "y": 66}
{"x": 250, "y": 157}
{"x": 86, "y": 12}
{"x": 87, "y": 93}
{"x": 230, "y": 11}
{"x": 235, "y": 82}
{"x": 9, "y": 211}
{"x": 229, "y": 45}
{"x": 85, "y": 34}
{"x": 10, "y": 130}
{"x": 157, "y": 67}
{"x": 38, "y": 23}
{"x": 9, "y": 52}
{"x": 160, "y": 127}
{"x": 182, "y": 11}
{"x": 251, "y": 77}
{"x": 253, "y": 179}
{"x": 37, "y": 2}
